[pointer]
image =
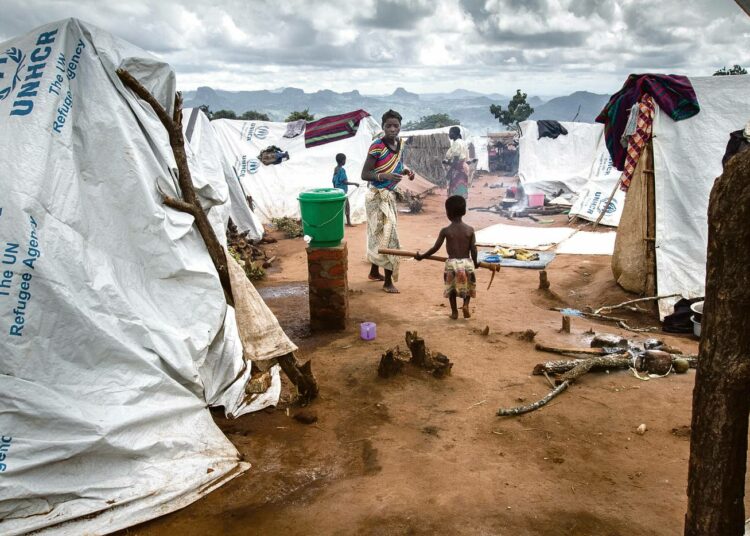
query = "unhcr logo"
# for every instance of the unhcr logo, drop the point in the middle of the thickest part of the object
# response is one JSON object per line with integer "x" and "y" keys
{"x": 611, "y": 209}
{"x": 253, "y": 129}
{"x": 11, "y": 63}
{"x": 245, "y": 165}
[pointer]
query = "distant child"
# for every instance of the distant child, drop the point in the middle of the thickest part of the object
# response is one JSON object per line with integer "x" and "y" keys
{"x": 340, "y": 181}
{"x": 459, "y": 276}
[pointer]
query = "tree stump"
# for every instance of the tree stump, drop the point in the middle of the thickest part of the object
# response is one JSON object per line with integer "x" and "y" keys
{"x": 543, "y": 281}
{"x": 718, "y": 442}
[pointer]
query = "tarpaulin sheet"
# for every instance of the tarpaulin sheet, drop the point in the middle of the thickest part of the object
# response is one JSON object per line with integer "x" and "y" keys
{"x": 115, "y": 335}
{"x": 588, "y": 243}
{"x": 207, "y": 155}
{"x": 274, "y": 188}
{"x": 518, "y": 236}
{"x": 687, "y": 160}
{"x": 577, "y": 162}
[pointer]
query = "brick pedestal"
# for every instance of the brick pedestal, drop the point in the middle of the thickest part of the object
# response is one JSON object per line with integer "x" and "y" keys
{"x": 327, "y": 270}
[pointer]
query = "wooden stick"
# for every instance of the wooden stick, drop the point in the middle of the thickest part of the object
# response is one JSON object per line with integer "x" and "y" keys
{"x": 520, "y": 410}
{"x": 189, "y": 202}
{"x": 610, "y": 308}
{"x": 563, "y": 383}
{"x": 557, "y": 350}
{"x": 402, "y": 253}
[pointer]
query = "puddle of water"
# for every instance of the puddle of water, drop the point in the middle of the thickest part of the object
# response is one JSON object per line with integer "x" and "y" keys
{"x": 283, "y": 291}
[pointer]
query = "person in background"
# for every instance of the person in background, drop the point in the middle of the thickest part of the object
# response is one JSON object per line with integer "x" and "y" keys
{"x": 341, "y": 181}
{"x": 383, "y": 170}
{"x": 456, "y": 158}
{"x": 461, "y": 245}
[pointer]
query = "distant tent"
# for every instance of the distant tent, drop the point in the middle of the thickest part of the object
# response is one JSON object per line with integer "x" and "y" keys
{"x": 663, "y": 235}
{"x": 116, "y": 335}
{"x": 275, "y": 187}
{"x": 206, "y": 152}
{"x": 577, "y": 163}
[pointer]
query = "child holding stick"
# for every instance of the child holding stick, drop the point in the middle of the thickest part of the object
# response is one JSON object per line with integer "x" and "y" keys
{"x": 460, "y": 279}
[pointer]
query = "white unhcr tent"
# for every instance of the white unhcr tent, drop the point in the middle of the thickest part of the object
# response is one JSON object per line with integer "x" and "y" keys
{"x": 577, "y": 163}
{"x": 114, "y": 331}
{"x": 687, "y": 159}
{"x": 274, "y": 188}
{"x": 206, "y": 153}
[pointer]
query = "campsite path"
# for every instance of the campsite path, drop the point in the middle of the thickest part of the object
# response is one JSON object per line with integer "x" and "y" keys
{"x": 418, "y": 455}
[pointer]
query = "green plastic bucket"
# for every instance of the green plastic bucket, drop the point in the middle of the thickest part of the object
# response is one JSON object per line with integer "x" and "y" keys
{"x": 323, "y": 216}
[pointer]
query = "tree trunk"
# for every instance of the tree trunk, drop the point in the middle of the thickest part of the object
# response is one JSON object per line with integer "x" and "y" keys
{"x": 721, "y": 398}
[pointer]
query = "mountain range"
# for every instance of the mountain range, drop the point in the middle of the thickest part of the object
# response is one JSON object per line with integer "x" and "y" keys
{"x": 471, "y": 108}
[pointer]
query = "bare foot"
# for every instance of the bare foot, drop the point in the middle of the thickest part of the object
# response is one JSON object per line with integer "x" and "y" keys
{"x": 390, "y": 289}
{"x": 454, "y": 315}
{"x": 376, "y": 277}
{"x": 465, "y": 310}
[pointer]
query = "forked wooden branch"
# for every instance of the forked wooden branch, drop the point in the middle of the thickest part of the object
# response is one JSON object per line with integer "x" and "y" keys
{"x": 580, "y": 368}
{"x": 189, "y": 202}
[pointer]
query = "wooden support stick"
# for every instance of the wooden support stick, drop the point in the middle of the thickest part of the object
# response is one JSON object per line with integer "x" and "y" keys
{"x": 543, "y": 281}
{"x": 565, "y": 324}
{"x": 557, "y": 350}
{"x": 189, "y": 202}
{"x": 610, "y": 308}
{"x": 403, "y": 253}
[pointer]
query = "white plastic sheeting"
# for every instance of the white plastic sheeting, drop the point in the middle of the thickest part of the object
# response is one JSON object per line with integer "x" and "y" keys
{"x": 114, "y": 331}
{"x": 588, "y": 243}
{"x": 518, "y": 236}
{"x": 687, "y": 160}
{"x": 578, "y": 163}
{"x": 207, "y": 156}
{"x": 603, "y": 180}
{"x": 275, "y": 188}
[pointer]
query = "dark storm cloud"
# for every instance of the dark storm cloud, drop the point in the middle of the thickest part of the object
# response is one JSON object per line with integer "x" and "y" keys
{"x": 549, "y": 39}
{"x": 395, "y": 15}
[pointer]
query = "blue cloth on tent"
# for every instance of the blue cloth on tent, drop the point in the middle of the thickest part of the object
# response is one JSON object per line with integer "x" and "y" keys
{"x": 545, "y": 257}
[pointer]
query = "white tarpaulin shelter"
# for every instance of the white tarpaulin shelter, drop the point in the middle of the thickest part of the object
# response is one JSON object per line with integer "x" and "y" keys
{"x": 687, "y": 160}
{"x": 206, "y": 151}
{"x": 519, "y": 236}
{"x": 114, "y": 331}
{"x": 577, "y": 163}
{"x": 274, "y": 188}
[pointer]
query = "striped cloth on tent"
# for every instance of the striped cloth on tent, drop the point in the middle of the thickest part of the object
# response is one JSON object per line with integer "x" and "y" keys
{"x": 333, "y": 128}
{"x": 638, "y": 140}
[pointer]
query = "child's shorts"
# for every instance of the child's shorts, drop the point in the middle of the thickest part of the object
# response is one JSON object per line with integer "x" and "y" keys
{"x": 459, "y": 276}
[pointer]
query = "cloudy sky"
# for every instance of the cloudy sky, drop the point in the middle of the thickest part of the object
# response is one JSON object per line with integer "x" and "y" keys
{"x": 545, "y": 47}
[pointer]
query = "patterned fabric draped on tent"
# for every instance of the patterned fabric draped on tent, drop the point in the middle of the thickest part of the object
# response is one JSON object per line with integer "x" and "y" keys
{"x": 673, "y": 93}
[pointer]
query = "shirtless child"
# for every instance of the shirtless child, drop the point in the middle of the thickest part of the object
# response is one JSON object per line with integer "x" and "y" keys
{"x": 459, "y": 276}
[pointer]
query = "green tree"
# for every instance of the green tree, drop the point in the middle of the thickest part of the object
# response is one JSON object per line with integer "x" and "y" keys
{"x": 432, "y": 121}
{"x": 735, "y": 69}
{"x": 296, "y": 116}
{"x": 518, "y": 110}
{"x": 252, "y": 115}
{"x": 224, "y": 114}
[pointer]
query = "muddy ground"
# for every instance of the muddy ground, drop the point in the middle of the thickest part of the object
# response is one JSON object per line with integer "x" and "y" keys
{"x": 420, "y": 455}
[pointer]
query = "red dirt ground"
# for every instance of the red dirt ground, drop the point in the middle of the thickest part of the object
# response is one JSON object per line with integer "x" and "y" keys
{"x": 418, "y": 455}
